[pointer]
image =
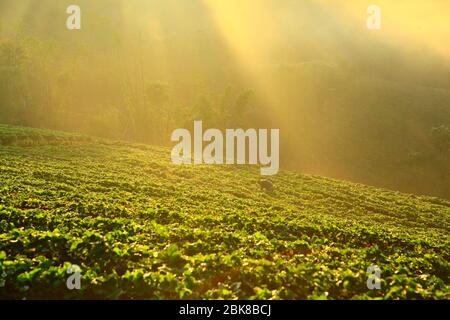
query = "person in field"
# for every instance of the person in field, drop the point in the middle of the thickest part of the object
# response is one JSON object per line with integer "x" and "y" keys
{"x": 266, "y": 185}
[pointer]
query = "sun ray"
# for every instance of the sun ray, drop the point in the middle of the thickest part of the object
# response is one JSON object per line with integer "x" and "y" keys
{"x": 248, "y": 28}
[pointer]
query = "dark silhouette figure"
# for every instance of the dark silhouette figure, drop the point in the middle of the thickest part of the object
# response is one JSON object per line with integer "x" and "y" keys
{"x": 266, "y": 185}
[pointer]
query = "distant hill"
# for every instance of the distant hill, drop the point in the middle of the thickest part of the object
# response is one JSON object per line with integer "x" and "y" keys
{"x": 369, "y": 130}
{"x": 140, "y": 227}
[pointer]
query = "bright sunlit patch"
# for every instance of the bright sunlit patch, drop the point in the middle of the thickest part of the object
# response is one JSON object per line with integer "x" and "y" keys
{"x": 249, "y": 29}
{"x": 414, "y": 24}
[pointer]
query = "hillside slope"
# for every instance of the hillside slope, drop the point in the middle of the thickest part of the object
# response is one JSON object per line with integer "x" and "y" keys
{"x": 140, "y": 227}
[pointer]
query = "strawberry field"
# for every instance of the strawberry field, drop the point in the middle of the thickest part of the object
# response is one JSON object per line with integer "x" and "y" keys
{"x": 140, "y": 227}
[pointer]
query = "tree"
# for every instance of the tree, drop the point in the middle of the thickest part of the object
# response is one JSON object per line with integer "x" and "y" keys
{"x": 158, "y": 113}
{"x": 12, "y": 77}
{"x": 440, "y": 137}
{"x": 243, "y": 109}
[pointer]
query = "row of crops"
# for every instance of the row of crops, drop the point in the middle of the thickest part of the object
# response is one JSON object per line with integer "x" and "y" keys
{"x": 140, "y": 227}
